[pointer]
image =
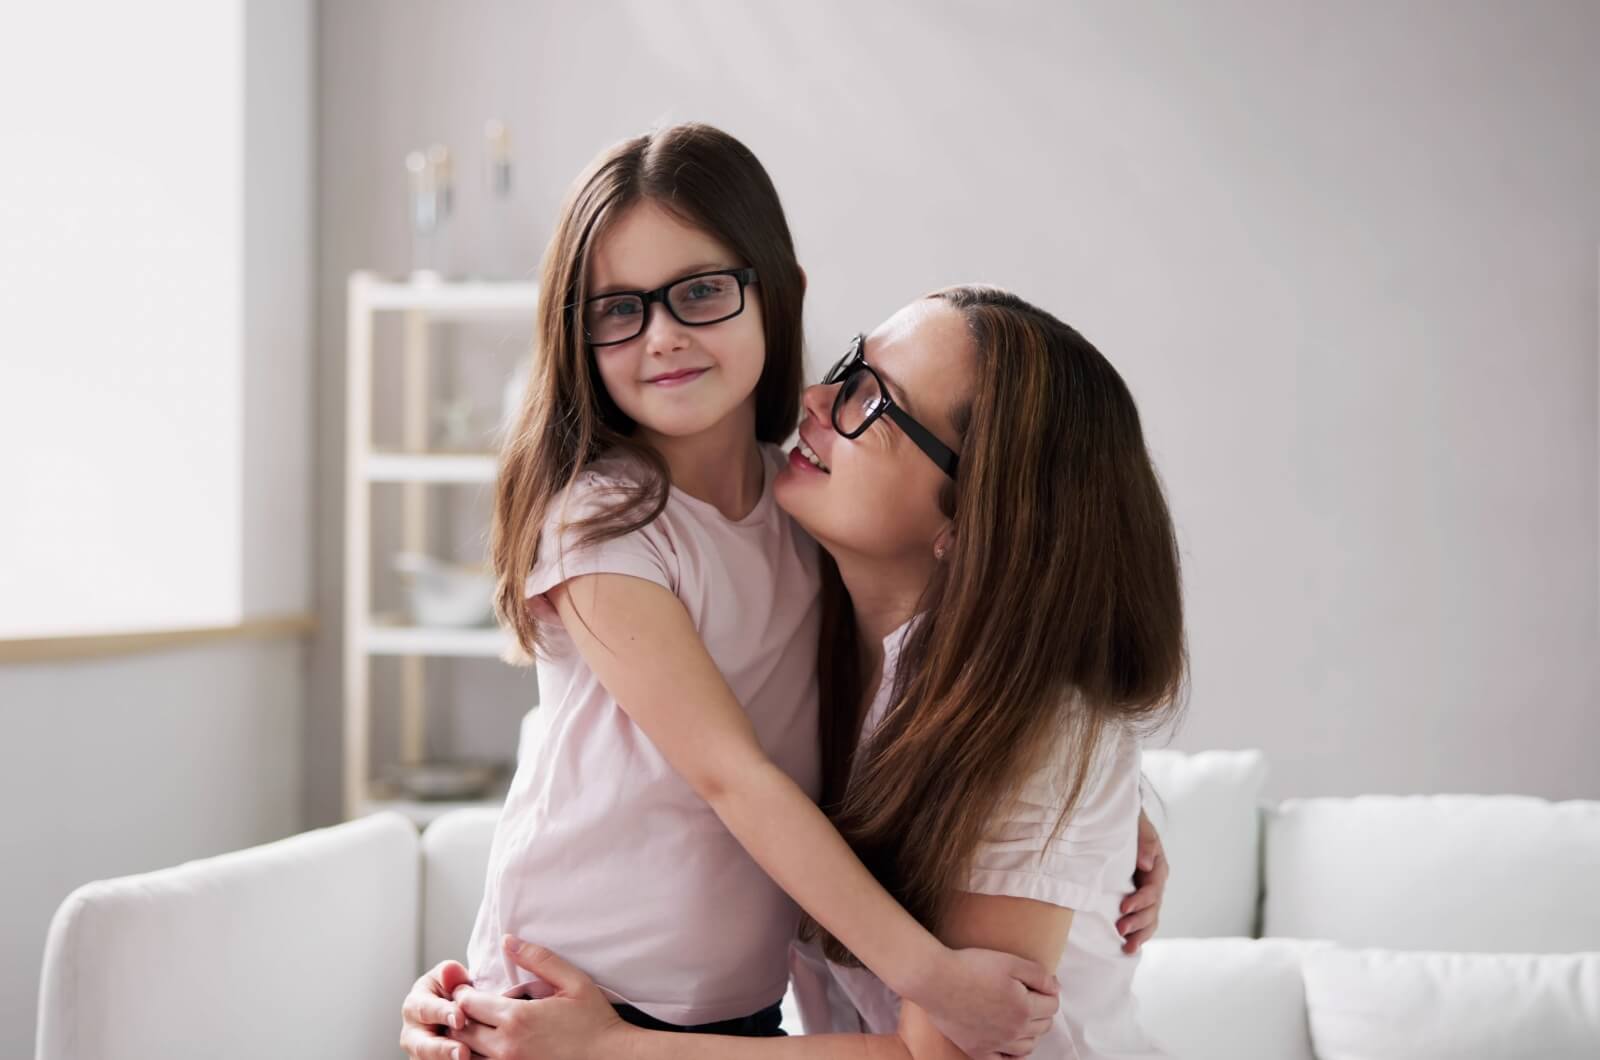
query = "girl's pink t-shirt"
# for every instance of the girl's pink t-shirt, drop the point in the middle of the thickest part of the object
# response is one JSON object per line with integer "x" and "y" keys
{"x": 602, "y": 852}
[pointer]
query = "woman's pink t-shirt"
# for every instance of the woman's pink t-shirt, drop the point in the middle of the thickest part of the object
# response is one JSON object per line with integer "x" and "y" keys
{"x": 602, "y": 851}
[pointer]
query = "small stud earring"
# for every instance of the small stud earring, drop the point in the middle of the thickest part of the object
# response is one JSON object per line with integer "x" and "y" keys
{"x": 938, "y": 552}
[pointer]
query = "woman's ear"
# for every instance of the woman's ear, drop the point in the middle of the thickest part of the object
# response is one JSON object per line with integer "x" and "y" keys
{"x": 944, "y": 542}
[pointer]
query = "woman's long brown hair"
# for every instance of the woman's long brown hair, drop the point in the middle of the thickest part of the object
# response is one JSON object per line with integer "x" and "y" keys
{"x": 713, "y": 182}
{"x": 1056, "y": 615}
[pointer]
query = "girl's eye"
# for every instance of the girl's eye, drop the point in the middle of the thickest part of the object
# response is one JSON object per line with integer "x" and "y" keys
{"x": 625, "y": 308}
{"x": 703, "y": 289}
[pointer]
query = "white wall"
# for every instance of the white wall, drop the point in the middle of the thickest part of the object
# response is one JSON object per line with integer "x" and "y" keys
{"x": 121, "y": 290}
{"x": 1344, "y": 254}
{"x": 133, "y": 763}
{"x": 279, "y": 306}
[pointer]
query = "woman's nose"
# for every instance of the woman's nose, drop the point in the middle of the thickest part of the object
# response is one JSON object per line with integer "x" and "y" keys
{"x": 816, "y": 399}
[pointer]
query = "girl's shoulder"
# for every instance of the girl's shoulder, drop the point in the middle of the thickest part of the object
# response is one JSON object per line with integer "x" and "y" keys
{"x": 600, "y": 485}
{"x": 615, "y": 468}
{"x": 1109, "y": 777}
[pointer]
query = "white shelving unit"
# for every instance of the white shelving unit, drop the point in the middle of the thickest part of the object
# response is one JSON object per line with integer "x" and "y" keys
{"x": 419, "y": 303}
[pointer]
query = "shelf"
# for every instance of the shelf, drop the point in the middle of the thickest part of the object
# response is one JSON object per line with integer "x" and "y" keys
{"x": 442, "y": 298}
{"x": 421, "y": 300}
{"x": 431, "y": 467}
{"x": 484, "y": 642}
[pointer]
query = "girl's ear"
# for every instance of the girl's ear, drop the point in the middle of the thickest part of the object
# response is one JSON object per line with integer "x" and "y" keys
{"x": 944, "y": 542}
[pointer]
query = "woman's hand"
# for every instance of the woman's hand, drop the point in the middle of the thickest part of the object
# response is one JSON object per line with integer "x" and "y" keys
{"x": 990, "y": 1004}
{"x": 1142, "y": 909}
{"x": 428, "y": 1009}
{"x": 576, "y": 1022}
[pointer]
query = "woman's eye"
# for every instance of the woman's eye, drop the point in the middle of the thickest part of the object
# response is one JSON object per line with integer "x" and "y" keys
{"x": 702, "y": 290}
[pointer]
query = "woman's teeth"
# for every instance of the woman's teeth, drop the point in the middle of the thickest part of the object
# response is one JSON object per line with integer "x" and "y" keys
{"x": 806, "y": 451}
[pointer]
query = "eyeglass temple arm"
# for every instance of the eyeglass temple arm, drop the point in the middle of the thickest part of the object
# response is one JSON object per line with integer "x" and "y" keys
{"x": 941, "y": 453}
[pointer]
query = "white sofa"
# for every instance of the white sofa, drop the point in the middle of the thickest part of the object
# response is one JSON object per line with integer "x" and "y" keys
{"x": 1419, "y": 928}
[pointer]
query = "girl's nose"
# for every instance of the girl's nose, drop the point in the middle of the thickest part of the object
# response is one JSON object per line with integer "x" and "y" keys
{"x": 663, "y": 333}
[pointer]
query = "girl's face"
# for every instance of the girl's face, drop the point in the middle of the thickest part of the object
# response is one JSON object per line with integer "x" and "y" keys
{"x": 674, "y": 379}
{"x": 877, "y": 495}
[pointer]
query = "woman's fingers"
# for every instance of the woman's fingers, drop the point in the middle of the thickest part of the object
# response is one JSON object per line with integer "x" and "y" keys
{"x": 484, "y": 1041}
{"x": 491, "y": 1010}
{"x": 429, "y": 1010}
{"x": 1151, "y": 885}
{"x": 420, "y": 1043}
{"x": 428, "y": 1007}
{"x": 1139, "y": 938}
{"x": 1136, "y": 922}
{"x": 1042, "y": 1006}
{"x": 1143, "y": 898}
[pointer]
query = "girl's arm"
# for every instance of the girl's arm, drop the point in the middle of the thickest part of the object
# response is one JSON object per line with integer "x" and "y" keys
{"x": 638, "y": 639}
{"x": 1028, "y": 928}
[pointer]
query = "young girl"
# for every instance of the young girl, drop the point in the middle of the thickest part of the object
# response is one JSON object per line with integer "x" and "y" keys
{"x": 666, "y": 802}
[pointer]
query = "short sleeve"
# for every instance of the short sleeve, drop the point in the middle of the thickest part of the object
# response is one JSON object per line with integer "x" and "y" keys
{"x": 1090, "y": 860}
{"x": 821, "y": 1003}
{"x": 644, "y": 553}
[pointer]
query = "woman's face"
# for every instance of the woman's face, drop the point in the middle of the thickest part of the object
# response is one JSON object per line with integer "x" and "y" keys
{"x": 674, "y": 379}
{"x": 877, "y": 495}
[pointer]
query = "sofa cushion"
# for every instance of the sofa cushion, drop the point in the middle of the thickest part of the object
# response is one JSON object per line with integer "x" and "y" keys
{"x": 1385, "y": 1005}
{"x": 1225, "y": 999}
{"x": 455, "y": 864}
{"x": 303, "y": 947}
{"x": 1207, "y": 809}
{"x": 1493, "y": 874}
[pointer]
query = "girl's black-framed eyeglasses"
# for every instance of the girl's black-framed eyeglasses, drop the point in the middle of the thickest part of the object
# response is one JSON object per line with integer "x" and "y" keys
{"x": 697, "y": 300}
{"x": 863, "y": 397}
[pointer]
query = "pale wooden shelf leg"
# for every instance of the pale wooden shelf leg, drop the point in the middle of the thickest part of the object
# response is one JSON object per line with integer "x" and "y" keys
{"x": 414, "y": 525}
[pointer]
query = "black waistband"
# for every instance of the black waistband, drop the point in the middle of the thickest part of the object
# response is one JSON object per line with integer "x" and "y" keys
{"x": 768, "y": 1023}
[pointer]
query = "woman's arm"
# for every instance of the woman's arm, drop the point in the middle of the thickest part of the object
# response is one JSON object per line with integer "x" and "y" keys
{"x": 578, "y": 1023}
{"x": 638, "y": 639}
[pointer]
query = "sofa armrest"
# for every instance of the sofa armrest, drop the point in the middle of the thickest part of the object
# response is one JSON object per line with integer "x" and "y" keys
{"x": 302, "y": 947}
{"x": 455, "y": 862}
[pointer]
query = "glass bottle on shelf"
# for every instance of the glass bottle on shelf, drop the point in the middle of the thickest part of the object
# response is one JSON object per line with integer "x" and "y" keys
{"x": 500, "y": 251}
{"x": 432, "y": 204}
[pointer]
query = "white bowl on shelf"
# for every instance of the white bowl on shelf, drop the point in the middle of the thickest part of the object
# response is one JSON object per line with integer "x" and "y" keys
{"x": 444, "y": 594}
{"x": 446, "y": 780}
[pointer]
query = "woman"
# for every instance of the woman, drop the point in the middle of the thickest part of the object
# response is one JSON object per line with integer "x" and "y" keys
{"x": 1012, "y": 624}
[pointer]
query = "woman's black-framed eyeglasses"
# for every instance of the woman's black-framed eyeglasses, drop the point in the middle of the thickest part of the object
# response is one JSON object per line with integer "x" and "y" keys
{"x": 862, "y": 398}
{"x": 704, "y": 298}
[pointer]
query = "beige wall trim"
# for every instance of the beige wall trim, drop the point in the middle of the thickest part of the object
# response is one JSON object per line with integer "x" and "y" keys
{"x": 89, "y": 646}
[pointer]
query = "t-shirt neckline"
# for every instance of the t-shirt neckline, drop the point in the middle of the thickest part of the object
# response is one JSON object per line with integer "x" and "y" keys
{"x": 757, "y": 514}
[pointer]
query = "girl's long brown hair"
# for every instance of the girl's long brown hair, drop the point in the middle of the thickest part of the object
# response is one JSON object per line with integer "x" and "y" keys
{"x": 1057, "y": 614}
{"x": 709, "y": 180}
